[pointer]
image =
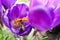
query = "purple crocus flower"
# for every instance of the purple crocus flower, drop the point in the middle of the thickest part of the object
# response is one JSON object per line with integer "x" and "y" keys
{"x": 44, "y": 14}
{"x": 16, "y": 19}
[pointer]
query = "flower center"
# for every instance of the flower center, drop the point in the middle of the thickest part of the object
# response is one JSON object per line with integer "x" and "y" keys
{"x": 18, "y": 22}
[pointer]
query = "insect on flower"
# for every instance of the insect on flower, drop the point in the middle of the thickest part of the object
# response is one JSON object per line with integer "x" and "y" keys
{"x": 19, "y": 22}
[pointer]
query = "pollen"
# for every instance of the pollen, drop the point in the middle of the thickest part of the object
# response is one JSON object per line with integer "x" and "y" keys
{"x": 16, "y": 22}
{"x": 25, "y": 19}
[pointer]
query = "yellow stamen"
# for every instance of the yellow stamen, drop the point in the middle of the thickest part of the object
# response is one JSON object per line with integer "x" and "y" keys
{"x": 25, "y": 18}
{"x": 17, "y": 22}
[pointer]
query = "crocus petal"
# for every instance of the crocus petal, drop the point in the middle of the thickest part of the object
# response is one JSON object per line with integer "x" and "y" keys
{"x": 22, "y": 11}
{"x": 37, "y": 2}
{"x": 53, "y": 3}
{"x": 8, "y": 3}
{"x": 5, "y": 18}
{"x": 57, "y": 11}
{"x": 24, "y": 33}
{"x": 0, "y": 13}
{"x": 0, "y": 8}
{"x": 55, "y": 22}
{"x": 40, "y": 18}
{"x": 51, "y": 9}
{"x": 57, "y": 17}
{"x": 34, "y": 3}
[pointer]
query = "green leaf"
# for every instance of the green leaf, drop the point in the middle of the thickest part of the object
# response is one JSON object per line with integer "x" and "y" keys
{"x": 0, "y": 36}
{"x": 5, "y": 34}
{"x": 10, "y": 38}
{"x": 43, "y": 38}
